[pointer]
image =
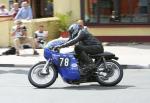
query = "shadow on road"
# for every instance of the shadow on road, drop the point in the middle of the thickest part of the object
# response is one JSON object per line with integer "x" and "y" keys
{"x": 28, "y": 55}
{"x": 137, "y": 45}
{"x": 93, "y": 87}
{"x": 14, "y": 71}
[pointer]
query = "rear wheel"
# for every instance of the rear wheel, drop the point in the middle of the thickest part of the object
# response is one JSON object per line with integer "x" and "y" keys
{"x": 42, "y": 81}
{"x": 110, "y": 76}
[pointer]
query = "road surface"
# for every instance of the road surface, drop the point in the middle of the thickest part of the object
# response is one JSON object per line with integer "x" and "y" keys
{"x": 15, "y": 88}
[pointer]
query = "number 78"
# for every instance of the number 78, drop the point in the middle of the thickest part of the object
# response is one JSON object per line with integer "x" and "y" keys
{"x": 64, "y": 62}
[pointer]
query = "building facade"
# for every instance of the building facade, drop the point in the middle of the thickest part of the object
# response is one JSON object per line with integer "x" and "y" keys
{"x": 108, "y": 20}
{"x": 111, "y": 20}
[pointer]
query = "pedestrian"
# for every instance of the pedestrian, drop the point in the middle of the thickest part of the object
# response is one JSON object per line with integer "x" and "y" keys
{"x": 40, "y": 36}
{"x": 25, "y": 12}
{"x": 19, "y": 32}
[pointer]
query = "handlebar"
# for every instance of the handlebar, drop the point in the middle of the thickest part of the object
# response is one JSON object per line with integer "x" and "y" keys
{"x": 53, "y": 49}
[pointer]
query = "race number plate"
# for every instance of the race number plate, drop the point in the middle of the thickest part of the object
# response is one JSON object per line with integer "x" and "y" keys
{"x": 64, "y": 62}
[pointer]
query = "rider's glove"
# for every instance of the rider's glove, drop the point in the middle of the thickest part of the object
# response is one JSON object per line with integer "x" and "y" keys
{"x": 57, "y": 48}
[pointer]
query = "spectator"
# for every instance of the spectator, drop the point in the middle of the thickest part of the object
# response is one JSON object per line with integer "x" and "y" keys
{"x": 114, "y": 17}
{"x": 40, "y": 36}
{"x": 14, "y": 9}
{"x": 49, "y": 9}
{"x": 81, "y": 23}
{"x": 25, "y": 12}
{"x": 3, "y": 10}
{"x": 19, "y": 31}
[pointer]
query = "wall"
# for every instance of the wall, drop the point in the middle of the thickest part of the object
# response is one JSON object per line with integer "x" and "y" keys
{"x": 50, "y": 24}
{"x": 5, "y": 2}
{"x": 122, "y": 34}
{"x": 120, "y": 31}
{"x": 5, "y": 33}
{"x": 67, "y": 6}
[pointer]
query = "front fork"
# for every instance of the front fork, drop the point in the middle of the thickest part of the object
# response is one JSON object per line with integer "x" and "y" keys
{"x": 45, "y": 70}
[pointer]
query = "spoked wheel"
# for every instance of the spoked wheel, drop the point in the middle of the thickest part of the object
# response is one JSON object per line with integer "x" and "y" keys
{"x": 42, "y": 81}
{"x": 110, "y": 76}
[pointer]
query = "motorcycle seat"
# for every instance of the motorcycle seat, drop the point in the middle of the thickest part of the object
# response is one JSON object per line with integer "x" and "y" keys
{"x": 104, "y": 54}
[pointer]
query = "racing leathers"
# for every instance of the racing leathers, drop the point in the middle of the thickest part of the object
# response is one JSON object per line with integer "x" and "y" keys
{"x": 85, "y": 44}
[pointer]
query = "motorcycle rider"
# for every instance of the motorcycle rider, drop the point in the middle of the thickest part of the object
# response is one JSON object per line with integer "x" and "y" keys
{"x": 85, "y": 44}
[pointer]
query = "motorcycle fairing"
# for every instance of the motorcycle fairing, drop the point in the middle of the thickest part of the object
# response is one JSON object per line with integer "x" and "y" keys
{"x": 66, "y": 64}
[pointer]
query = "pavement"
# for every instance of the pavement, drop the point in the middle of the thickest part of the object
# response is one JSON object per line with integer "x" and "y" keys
{"x": 131, "y": 56}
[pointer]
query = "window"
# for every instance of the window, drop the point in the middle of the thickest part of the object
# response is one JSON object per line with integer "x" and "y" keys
{"x": 115, "y": 11}
{"x": 42, "y": 8}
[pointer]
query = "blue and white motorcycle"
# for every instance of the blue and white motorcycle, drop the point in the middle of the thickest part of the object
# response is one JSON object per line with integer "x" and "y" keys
{"x": 108, "y": 71}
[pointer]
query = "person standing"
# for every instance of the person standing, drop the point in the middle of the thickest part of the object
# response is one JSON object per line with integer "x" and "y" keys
{"x": 25, "y": 12}
{"x": 14, "y": 10}
{"x": 49, "y": 9}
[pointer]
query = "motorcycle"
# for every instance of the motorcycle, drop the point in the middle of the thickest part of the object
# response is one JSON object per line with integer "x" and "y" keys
{"x": 107, "y": 72}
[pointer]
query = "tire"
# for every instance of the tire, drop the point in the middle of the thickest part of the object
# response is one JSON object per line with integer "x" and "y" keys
{"x": 104, "y": 80}
{"x": 34, "y": 73}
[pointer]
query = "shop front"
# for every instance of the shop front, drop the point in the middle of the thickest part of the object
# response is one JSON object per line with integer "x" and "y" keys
{"x": 118, "y": 20}
{"x": 111, "y": 20}
{"x": 100, "y": 12}
{"x": 108, "y": 20}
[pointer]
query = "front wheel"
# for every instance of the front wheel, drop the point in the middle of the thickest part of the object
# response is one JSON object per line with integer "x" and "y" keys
{"x": 42, "y": 81}
{"x": 110, "y": 76}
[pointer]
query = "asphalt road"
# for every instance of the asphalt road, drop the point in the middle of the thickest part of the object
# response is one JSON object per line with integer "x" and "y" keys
{"x": 15, "y": 88}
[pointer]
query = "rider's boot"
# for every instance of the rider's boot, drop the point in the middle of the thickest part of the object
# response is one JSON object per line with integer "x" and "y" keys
{"x": 89, "y": 67}
{"x": 88, "y": 64}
